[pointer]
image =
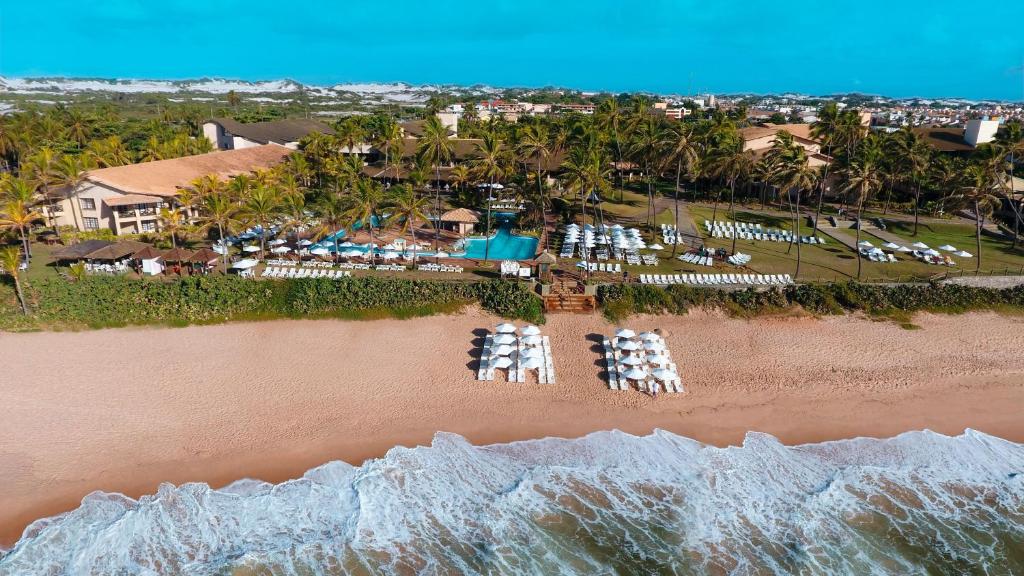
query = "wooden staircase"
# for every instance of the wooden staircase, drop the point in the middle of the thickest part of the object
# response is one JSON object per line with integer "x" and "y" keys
{"x": 563, "y": 299}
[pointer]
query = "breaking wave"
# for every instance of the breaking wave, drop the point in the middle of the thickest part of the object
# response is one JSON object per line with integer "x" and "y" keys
{"x": 608, "y": 503}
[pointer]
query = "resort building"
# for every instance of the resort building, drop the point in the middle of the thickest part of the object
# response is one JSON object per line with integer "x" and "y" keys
{"x": 228, "y": 134}
{"x": 761, "y": 138}
{"x": 127, "y": 199}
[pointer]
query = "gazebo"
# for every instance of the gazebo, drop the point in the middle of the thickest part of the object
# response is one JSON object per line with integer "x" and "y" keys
{"x": 544, "y": 262}
{"x": 461, "y": 220}
{"x": 178, "y": 255}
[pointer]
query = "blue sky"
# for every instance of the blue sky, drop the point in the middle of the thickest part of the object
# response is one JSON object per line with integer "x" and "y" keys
{"x": 923, "y": 48}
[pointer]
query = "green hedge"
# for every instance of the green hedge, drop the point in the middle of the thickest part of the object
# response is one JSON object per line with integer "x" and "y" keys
{"x": 621, "y": 300}
{"x": 99, "y": 301}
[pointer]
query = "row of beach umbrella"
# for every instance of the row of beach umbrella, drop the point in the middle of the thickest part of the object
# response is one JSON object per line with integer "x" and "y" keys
{"x": 921, "y": 246}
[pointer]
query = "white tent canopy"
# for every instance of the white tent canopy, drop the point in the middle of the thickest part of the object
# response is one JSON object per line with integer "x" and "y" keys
{"x": 504, "y": 339}
{"x": 625, "y": 333}
{"x": 530, "y": 330}
{"x": 505, "y": 328}
{"x": 245, "y": 264}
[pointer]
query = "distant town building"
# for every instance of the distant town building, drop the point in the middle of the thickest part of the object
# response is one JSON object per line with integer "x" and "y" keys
{"x": 228, "y": 134}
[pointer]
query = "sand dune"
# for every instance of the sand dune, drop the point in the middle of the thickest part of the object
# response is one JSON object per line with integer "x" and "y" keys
{"x": 123, "y": 410}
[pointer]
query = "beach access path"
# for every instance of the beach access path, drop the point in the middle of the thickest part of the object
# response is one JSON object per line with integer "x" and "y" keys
{"x": 123, "y": 410}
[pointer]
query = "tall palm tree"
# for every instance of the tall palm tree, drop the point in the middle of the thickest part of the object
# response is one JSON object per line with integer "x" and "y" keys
{"x": 19, "y": 215}
{"x": 171, "y": 223}
{"x": 1011, "y": 137}
{"x": 10, "y": 260}
{"x": 490, "y": 164}
{"x": 42, "y": 168}
{"x": 977, "y": 193}
{"x": 915, "y": 155}
{"x": 683, "y": 151}
{"x": 609, "y": 117}
{"x": 407, "y": 208}
{"x": 649, "y": 141}
{"x": 389, "y": 141}
{"x": 261, "y": 205}
{"x": 862, "y": 178}
{"x": 70, "y": 174}
{"x": 330, "y": 212}
{"x": 797, "y": 176}
{"x": 435, "y": 147}
{"x": 219, "y": 211}
{"x": 362, "y": 206}
{"x": 538, "y": 146}
{"x": 731, "y": 163}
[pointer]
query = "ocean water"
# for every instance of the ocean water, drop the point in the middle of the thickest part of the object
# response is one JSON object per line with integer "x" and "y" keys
{"x": 609, "y": 503}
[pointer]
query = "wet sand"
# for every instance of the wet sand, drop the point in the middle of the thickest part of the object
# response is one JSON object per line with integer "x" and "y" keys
{"x": 124, "y": 410}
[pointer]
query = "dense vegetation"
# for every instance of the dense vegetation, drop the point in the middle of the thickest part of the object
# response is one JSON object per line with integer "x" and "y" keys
{"x": 103, "y": 301}
{"x": 896, "y": 301}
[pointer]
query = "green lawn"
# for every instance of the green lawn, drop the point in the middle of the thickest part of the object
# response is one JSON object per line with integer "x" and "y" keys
{"x": 996, "y": 253}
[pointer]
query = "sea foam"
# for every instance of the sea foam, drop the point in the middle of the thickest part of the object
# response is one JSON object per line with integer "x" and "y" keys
{"x": 607, "y": 503}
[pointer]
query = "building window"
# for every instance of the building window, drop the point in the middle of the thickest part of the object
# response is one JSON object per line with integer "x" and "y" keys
{"x": 87, "y": 204}
{"x": 148, "y": 226}
{"x": 91, "y": 223}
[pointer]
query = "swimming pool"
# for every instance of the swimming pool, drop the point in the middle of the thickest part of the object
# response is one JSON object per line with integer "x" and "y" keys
{"x": 504, "y": 245}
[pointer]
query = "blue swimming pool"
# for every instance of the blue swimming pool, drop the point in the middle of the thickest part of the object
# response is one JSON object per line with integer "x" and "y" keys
{"x": 504, "y": 245}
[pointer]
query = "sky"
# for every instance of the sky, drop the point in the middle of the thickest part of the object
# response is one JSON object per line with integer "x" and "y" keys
{"x": 937, "y": 48}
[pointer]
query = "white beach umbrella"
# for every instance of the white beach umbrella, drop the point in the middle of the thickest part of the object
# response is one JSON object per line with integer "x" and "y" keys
{"x": 389, "y": 255}
{"x": 649, "y": 337}
{"x": 904, "y": 249}
{"x": 865, "y": 244}
{"x": 250, "y": 249}
{"x": 505, "y": 328}
{"x": 654, "y": 346}
{"x": 891, "y": 245}
{"x": 531, "y": 340}
{"x": 948, "y": 248}
{"x": 346, "y": 244}
{"x": 501, "y": 362}
{"x": 656, "y": 359}
{"x": 504, "y": 339}
{"x": 628, "y": 345}
{"x": 441, "y": 255}
{"x": 631, "y": 361}
{"x": 656, "y": 247}
{"x": 625, "y": 333}
{"x": 281, "y": 250}
{"x": 305, "y": 242}
{"x": 276, "y": 242}
{"x": 964, "y": 254}
{"x": 663, "y": 374}
{"x": 530, "y": 330}
{"x": 531, "y": 363}
{"x": 245, "y": 264}
{"x": 503, "y": 350}
{"x": 635, "y": 374}
{"x": 931, "y": 252}
{"x": 220, "y": 249}
{"x": 319, "y": 251}
{"x": 532, "y": 353}
{"x": 920, "y": 245}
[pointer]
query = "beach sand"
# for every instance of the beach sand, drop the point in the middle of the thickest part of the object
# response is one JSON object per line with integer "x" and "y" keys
{"x": 124, "y": 410}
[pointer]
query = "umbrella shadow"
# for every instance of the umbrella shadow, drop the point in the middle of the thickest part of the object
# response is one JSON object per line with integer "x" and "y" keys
{"x": 474, "y": 353}
{"x": 597, "y": 347}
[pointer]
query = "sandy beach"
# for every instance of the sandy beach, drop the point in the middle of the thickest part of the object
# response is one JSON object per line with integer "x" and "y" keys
{"x": 124, "y": 410}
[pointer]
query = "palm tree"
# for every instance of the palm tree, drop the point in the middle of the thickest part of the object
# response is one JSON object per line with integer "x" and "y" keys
{"x": 171, "y": 223}
{"x": 490, "y": 164}
{"x": 70, "y": 174}
{"x": 915, "y": 154}
{"x": 219, "y": 211}
{"x": 363, "y": 204}
{"x": 797, "y": 175}
{"x": 977, "y": 193}
{"x": 389, "y": 141}
{"x": 350, "y": 134}
{"x": 330, "y": 213}
{"x": 537, "y": 145}
{"x": 10, "y": 260}
{"x": 260, "y": 206}
{"x": 862, "y": 178}
{"x": 435, "y": 147}
{"x": 683, "y": 151}
{"x": 1011, "y": 137}
{"x": 649, "y": 140}
{"x": 609, "y": 118}
{"x": 731, "y": 163}
{"x": 19, "y": 215}
{"x": 407, "y": 207}
{"x": 41, "y": 166}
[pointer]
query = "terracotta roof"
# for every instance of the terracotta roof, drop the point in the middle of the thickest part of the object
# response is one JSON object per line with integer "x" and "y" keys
{"x": 76, "y": 251}
{"x": 462, "y": 148}
{"x": 178, "y": 255}
{"x": 275, "y": 131}
{"x": 166, "y": 177}
{"x": 204, "y": 255}
{"x": 463, "y": 215}
{"x": 798, "y": 130}
{"x": 148, "y": 253}
{"x": 945, "y": 139}
{"x": 116, "y": 251}
{"x": 129, "y": 199}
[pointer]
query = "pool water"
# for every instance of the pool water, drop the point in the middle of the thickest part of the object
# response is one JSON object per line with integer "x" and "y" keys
{"x": 504, "y": 245}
